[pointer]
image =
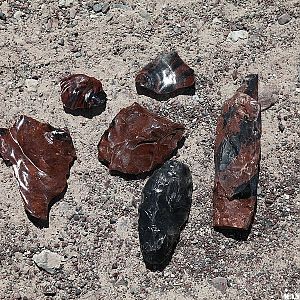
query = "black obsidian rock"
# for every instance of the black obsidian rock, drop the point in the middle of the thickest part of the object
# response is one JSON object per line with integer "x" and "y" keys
{"x": 164, "y": 209}
{"x": 166, "y": 77}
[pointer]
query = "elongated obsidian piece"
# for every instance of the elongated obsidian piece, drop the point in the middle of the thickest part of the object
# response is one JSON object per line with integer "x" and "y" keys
{"x": 167, "y": 76}
{"x": 41, "y": 156}
{"x": 164, "y": 209}
{"x": 80, "y": 91}
{"x": 237, "y": 158}
{"x": 137, "y": 141}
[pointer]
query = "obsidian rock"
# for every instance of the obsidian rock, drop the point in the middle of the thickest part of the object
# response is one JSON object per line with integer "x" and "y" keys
{"x": 137, "y": 141}
{"x": 81, "y": 93}
{"x": 41, "y": 156}
{"x": 165, "y": 77}
{"x": 164, "y": 209}
{"x": 237, "y": 158}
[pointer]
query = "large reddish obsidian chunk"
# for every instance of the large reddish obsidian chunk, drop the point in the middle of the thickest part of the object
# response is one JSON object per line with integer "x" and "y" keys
{"x": 165, "y": 77}
{"x": 138, "y": 140}
{"x": 164, "y": 209}
{"x": 41, "y": 156}
{"x": 237, "y": 157}
{"x": 80, "y": 91}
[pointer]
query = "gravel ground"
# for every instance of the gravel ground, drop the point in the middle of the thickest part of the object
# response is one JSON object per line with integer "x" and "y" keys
{"x": 94, "y": 227}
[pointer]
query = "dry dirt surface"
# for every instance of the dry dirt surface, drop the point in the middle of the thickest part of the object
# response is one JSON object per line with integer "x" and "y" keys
{"x": 94, "y": 227}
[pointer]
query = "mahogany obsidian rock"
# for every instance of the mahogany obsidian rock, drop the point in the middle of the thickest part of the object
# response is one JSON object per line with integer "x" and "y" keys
{"x": 138, "y": 140}
{"x": 41, "y": 156}
{"x": 237, "y": 158}
{"x": 80, "y": 91}
{"x": 167, "y": 76}
{"x": 164, "y": 209}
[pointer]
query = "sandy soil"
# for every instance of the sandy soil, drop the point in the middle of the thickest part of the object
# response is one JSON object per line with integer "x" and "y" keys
{"x": 94, "y": 227}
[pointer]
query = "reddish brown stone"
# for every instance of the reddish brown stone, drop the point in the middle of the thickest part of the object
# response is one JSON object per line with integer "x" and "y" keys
{"x": 41, "y": 157}
{"x": 138, "y": 140}
{"x": 80, "y": 91}
{"x": 237, "y": 157}
{"x": 167, "y": 76}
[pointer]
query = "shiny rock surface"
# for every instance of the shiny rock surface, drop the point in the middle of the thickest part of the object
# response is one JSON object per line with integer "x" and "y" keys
{"x": 80, "y": 91}
{"x": 164, "y": 209}
{"x": 237, "y": 158}
{"x": 167, "y": 76}
{"x": 41, "y": 156}
{"x": 138, "y": 140}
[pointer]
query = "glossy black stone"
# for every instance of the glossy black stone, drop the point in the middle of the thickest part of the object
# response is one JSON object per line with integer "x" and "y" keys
{"x": 164, "y": 209}
{"x": 165, "y": 77}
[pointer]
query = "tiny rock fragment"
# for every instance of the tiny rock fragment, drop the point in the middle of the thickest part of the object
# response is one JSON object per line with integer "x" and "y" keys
{"x": 73, "y": 12}
{"x": 137, "y": 141}
{"x": 281, "y": 127}
{"x": 61, "y": 42}
{"x": 49, "y": 291}
{"x": 164, "y": 209}
{"x": 80, "y": 91}
{"x": 220, "y": 283}
{"x": 237, "y": 158}
{"x": 97, "y": 7}
{"x": 48, "y": 261}
{"x": 18, "y": 15}
{"x": 65, "y": 3}
{"x": 41, "y": 156}
{"x": 31, "y": 85}
{"x": 121, "y": 6}
{"x": 236, "y": 35}
{"x": 267, "y": 99}
{"x": 2, "y": 16}
{"x": 105, "y": 8}
{"x": 284, "y": 19}
{"x": 166, "y": 77}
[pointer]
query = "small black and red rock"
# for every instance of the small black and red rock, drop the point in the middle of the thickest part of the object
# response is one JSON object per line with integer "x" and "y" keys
{"x": 82, "y": 93}
{"x": 165, "y": 77}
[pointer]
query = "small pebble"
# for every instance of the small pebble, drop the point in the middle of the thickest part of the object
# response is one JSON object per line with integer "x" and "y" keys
{"x": 31, "y": 84}
{"x": 284, "y": 19}
{"x": 269, "y": 201}
{"x": 114, "y": 266}
{"x": 18, "y": 15}
{"x": 144, "y": 14}
{"x": 49, "y": 291}
{"x": 2, "y": 16}
{"x": 236, "y": 35}
{"x": 105, "y": 8}
{"x": 65, "y": 3}
{"x": 48, "y": 261}
{"x": 77, "y": 291}
{"x": 76, "y": 217}
{"x": 61, "y": 42}
{"x": 97, "y": 7}
{"x": 61, "y": 3}
{"x": 281, "y": 127}
{"x": 121, "y": 6}
{"x": 72, "y": 12}
{"x": 113, "y": 221}
{"x": 220, "y": 283}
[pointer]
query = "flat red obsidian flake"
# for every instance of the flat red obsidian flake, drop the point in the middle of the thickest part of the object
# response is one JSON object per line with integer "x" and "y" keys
{"x": 41, "y": 156}
{"x": 138, "y": 140}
